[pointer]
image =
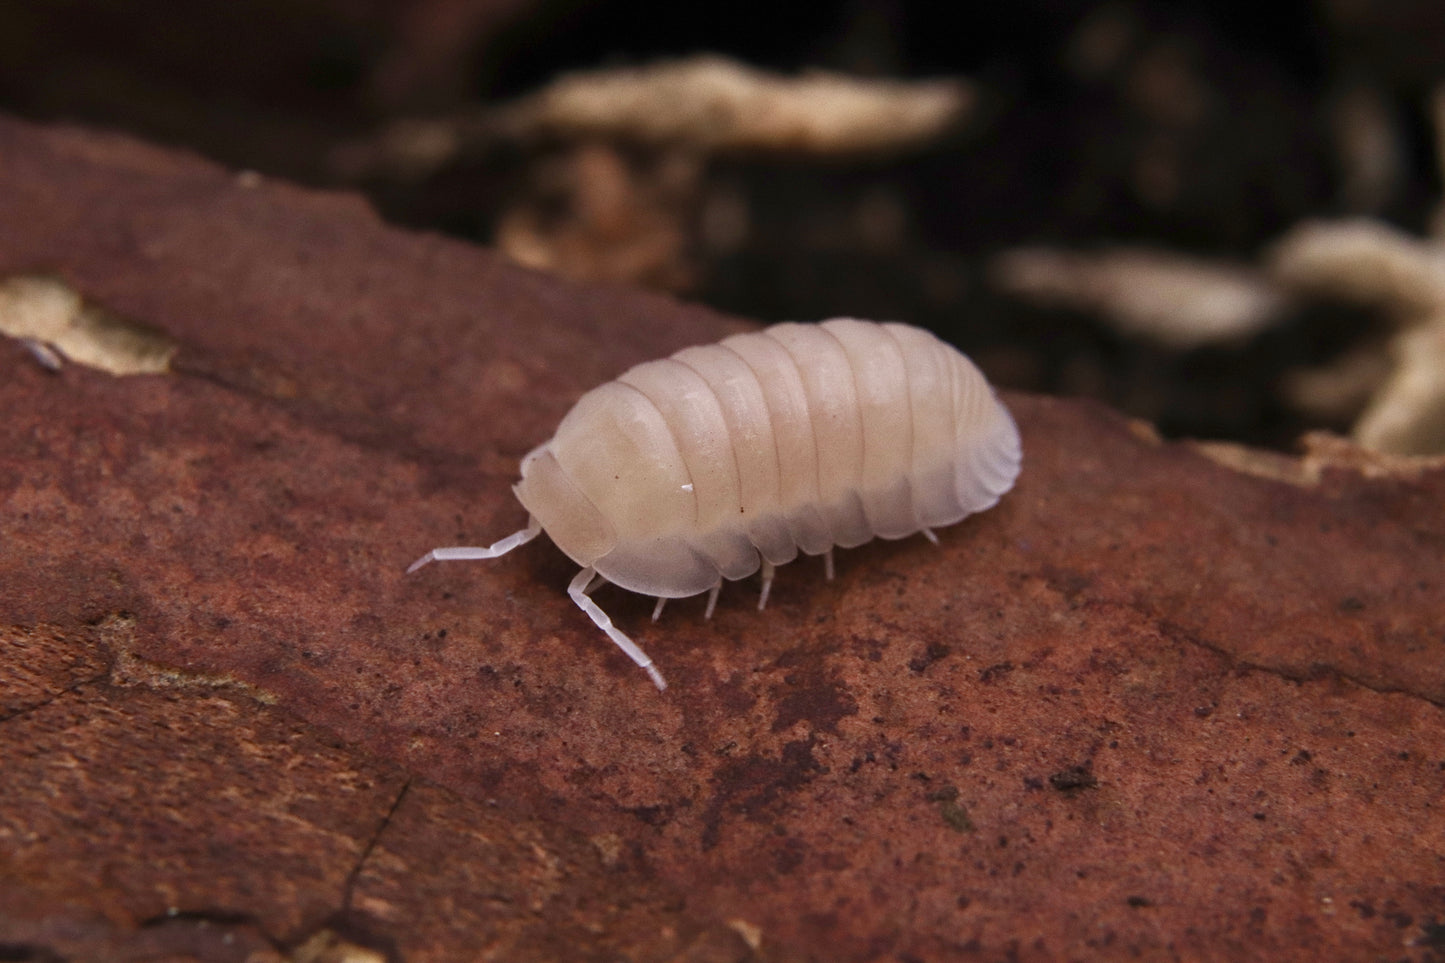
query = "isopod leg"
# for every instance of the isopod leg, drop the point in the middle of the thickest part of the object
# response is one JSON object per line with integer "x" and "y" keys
{"x": 828, "y": 565}
{"x": 459, "y": 553}
{"x": 768, "y": 569}
{"x": 712, "y": 599}
{"x": 657, "y": 609}
{"x": 928, "y": 534}
{"x": 578, "y": 593}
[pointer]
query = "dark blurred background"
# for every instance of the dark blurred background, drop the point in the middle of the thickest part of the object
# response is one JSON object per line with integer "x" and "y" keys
{"x": 1164, "y": 147}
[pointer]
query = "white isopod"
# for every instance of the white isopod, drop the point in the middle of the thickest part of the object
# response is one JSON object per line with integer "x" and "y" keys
{"x": 733, "y": 456}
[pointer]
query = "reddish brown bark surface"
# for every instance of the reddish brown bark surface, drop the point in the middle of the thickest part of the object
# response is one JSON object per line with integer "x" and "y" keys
{"x": 1151, "y": 704}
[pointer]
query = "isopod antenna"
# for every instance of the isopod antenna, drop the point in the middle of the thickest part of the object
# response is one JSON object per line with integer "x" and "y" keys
{"x": 472, "y": 553}
{"x": 577, "y": 591}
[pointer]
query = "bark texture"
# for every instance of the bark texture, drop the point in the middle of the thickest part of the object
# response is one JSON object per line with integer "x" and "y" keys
{"x": 1165, "y": 699}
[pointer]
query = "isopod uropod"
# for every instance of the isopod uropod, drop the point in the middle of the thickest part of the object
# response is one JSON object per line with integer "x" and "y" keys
{"x": 729, "y": 457}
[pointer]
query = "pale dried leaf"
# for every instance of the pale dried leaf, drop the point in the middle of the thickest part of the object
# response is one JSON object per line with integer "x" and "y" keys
{"x": 1173, "y": 300}
{"x": 48, "y": 312}
{"x": 1407, "y": 415}
{"x": 1362, "y": 261}
{"x": 712, "y": 104}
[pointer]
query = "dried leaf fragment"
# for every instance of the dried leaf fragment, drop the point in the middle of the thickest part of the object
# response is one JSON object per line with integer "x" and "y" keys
{"x": 1407, "y": 414}
{"x": 1173, "y": 300}
{"x": 712, "y": 104}
{"x": 1362, "y": 261}
{"x": 47, "y": 311}
{"x": 1322, "y": 451}
{"x": 1370, "y": 263}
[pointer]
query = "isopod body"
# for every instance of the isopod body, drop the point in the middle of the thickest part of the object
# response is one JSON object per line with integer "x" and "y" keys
{"x": 727, "y": 458}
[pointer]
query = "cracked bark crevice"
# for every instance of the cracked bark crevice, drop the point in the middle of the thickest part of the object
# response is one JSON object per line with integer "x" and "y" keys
{"x": 220, "y": 919}
{"x": 355, "y": 874}
{"x": 55, "y": 696}
{"x": 1177, "y": 633}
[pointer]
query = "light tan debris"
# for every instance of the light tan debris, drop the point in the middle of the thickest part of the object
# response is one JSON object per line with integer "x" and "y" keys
{"x": 1323, "y": 452}
{"x": 47, "y": 314}
{"x": 1170, "y": 299}
{"x": 1370, "y": 263}
{"x": 1407, "y": 414}
{"x": 1362, "y": 261}
{"x": 711, "y": 104}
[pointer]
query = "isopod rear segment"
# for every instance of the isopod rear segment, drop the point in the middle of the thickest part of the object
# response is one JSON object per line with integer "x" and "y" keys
{"x": 733, "y": 457}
